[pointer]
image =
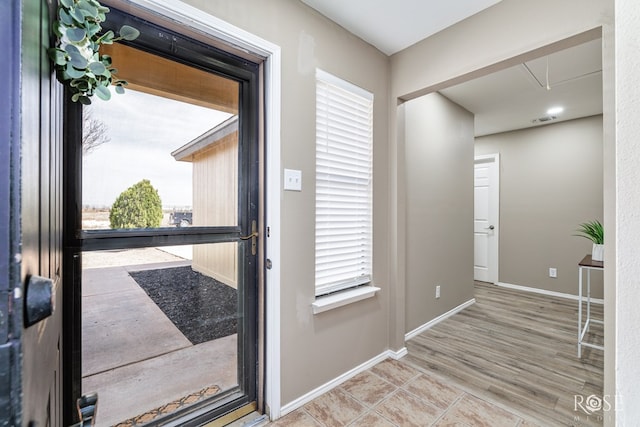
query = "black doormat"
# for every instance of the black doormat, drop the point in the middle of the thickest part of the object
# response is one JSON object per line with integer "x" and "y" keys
{"x": 202, "y": 308}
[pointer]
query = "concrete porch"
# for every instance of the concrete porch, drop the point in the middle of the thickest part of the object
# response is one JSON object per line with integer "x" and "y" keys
{"x": 133, "y": 356}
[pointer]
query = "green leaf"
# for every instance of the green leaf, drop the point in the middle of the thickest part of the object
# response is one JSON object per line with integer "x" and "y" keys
{"x": 129, "y": 33}
{"x": 89, "y": 8}
{"x": 98, "y": 68}
{"x": 84, "y": 86}
{"x": 66, "y": 3}
{"x": 58, "y": 56}
{"x": 98, "y": 6}
{"x": 77, "y": 15}
{"x": 85, "y": 100}
{"x": 65, "y": 18}
{"x": 92, "y": 29}
{"x": 119, "y": 89}
{"x": 58, "y": 29}
{"x": 103, "y": 93}
{"x": 591, "y": 230}
{"x": 103, "y": 9}
{"x": 75, "y": 97}
{"x": 77, "y": 60}
{"x": 76, "y": 35}
{"x": 106, "y": 38}
{"x": 73, "y": 72}
{"x": 106, "y": 60}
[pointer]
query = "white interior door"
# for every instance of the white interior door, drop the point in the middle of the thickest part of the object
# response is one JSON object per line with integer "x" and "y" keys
{"x": 486, "y": 218}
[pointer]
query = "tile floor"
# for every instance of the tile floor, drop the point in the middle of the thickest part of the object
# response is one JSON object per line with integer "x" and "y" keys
{"x": 394, "y": 393}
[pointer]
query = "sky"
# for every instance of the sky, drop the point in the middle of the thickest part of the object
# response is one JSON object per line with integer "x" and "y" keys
{"x": 143, "y": 130}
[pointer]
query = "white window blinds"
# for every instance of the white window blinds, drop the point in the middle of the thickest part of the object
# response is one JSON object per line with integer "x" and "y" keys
{"x": 344, "y": 163}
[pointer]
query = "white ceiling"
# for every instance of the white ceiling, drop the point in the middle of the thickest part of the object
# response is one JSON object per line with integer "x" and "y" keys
{"x": 516, "y": 98}
{"x": 395, "y": 25}
{"x": 511, "y": 99}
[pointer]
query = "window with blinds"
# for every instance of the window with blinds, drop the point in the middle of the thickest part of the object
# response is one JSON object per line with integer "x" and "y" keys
{"x": 344, "y": 190}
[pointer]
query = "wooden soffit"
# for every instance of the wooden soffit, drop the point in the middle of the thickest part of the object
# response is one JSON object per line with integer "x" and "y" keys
{"x": 156, "y": 75}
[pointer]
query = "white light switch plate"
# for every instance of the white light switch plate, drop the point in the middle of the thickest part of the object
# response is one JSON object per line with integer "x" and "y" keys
{"x": 292, "y": 180}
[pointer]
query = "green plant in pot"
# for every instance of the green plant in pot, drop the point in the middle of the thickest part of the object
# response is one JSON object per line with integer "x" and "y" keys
{"x": 593, "y": 231}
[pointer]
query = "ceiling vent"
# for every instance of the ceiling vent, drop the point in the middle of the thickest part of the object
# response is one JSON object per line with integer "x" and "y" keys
{"x": 544, "y": 119}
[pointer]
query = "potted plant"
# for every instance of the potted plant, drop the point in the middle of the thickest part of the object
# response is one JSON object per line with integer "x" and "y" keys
{"x": 593, "y": 231}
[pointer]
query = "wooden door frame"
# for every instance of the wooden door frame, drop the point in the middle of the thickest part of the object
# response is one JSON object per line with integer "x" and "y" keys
{"x": 494, "y": 198}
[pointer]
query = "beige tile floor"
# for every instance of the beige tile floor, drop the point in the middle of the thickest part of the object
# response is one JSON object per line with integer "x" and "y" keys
{"x": 394, "y": 393}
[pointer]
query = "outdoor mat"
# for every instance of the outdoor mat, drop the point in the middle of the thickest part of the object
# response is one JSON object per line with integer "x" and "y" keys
{"x": 202, "y": 308}
{"x": 170, "y": 408}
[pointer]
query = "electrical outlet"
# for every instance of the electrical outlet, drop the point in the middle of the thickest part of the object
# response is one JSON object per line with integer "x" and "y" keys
{"x": 553, "y": 272}
{"x": 437, "y": 291}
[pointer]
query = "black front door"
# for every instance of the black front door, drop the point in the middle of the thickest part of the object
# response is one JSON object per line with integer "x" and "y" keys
{"x": 31, "y": 290}
{"x": 161, "y": 228}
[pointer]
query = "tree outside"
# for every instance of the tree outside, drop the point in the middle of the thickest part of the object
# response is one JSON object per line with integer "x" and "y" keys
{"x": 94, "y": 132}
{"x": 139, "y": 206}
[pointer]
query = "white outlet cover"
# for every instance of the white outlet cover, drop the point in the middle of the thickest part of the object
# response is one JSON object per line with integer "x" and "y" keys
{"x": 292, "y": 180}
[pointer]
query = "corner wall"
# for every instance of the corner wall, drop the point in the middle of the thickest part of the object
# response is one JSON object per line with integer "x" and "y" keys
{"x": 501, "y": 36}
{"x": 550, "y": 181}
{"x": 439, "y": 177}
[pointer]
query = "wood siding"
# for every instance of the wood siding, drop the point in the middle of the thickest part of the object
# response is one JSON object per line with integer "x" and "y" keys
{"x": 215, "y": 203}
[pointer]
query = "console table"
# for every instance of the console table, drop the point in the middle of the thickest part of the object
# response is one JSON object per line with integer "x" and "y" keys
{"x": 586, "y": 265}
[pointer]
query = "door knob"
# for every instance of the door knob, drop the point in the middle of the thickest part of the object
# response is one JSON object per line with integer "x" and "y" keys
{"x": 38, "y": 299}
{"x": 491, "y": 227}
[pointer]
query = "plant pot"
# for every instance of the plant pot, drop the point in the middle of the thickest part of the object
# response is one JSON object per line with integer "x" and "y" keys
{"x": 597, "y": 252}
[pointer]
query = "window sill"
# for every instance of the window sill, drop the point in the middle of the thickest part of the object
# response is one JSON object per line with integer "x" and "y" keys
{"x": 339, "y": 299}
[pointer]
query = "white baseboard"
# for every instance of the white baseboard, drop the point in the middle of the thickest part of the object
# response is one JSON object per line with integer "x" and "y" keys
{"x": 433, "y": 322}
{"x": 546, "y": 292}
{"x": 303, "y": 400}
{"x": 396, "y": 355}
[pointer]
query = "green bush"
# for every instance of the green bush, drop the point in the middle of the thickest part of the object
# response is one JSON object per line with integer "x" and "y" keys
{"x": 139, "y": 206}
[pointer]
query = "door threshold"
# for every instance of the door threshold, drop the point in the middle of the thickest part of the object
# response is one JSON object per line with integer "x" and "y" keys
{"x": 236, "y": 416}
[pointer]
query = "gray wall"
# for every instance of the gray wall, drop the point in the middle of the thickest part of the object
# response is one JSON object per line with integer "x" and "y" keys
{"x": 439, "y": 200}
{"x": 317, "y": 349}
{"x": 550, "y": 181}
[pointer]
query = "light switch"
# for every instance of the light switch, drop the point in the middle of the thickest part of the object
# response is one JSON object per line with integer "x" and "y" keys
{"x": 292, "y": 180}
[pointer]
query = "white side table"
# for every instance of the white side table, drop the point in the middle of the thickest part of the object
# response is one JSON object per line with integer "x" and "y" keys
{"x": 587, "y": 264}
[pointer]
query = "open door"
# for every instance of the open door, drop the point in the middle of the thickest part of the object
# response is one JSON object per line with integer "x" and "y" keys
{"x": 31, "y": 288}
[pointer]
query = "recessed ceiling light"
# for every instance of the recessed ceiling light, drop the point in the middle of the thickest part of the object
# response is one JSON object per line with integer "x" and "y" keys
{"x": 555, "y": 110}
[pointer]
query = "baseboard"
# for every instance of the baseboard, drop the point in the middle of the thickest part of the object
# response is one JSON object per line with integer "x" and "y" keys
{"x": 303, "y": 400}
{"x": 433, "y": 322}
{"x": 396, "y": 355}
{"x": 546, "y": 292}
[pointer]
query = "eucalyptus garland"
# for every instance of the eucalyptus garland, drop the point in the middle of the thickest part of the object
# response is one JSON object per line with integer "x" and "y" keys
{"x": 78, "y": 63}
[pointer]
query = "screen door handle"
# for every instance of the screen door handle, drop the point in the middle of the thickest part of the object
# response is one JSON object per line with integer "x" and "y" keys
{"x": 253, "y": 236}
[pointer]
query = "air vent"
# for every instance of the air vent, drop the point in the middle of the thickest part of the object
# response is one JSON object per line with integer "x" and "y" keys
{"x": 544, "y": 119}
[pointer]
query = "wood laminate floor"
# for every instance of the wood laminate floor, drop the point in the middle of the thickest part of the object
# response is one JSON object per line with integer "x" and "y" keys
{"x": 509, "y": 360}
{"x": 518, "y": 350}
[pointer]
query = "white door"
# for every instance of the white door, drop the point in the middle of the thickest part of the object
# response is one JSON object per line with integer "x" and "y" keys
{"x": 485, "y": 221}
